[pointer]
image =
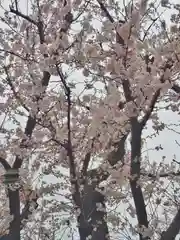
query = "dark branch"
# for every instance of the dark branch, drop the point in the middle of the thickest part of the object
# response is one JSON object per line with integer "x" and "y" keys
{"x": 136, "y": 190}
{"x": 87, "y": 160}
{"x": 161, "y": 175}
{"x": 63, "y": 80}
{"x": 26, "y": 211}
{"x": 14, "y": 54}
{"x": 18, "y": 13}
{"x": 173, "y": 229}
{"x": 30, "y": 125}
{"x": 9, "y": 81}
{"x": 14, "y": 205}
{"x": 104, "y": 9}
{"x": 31, "y": 122}
{"x": 150, "y": 110}
{"x": 69, "y": 147}
{"x": 113, "y": 158}
{"x": 117, "y": 155}
{"x": 86, "y": 164}
{"x": 110, "y": 18}
{"x": 5, "y": 164}
{"x": 150, "y": 26}
{"x": 176, "y": 88}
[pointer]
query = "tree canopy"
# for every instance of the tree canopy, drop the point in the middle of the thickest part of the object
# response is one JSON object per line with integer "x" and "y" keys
{"x": 81, "y": 81}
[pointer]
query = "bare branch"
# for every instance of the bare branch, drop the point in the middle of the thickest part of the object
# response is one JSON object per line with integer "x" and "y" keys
{"x": 18, "y": 13}
{"x": 176, "y": 160}
{"x": 63, "y": 80}
{"x": 14, "y": 54}
{"x": 150, "y": 26}
{"x": 5, "y": 164}
{"x": 83, "y": 9}
{"x": 161, "y": 175}
{"x": 104, "y": 9}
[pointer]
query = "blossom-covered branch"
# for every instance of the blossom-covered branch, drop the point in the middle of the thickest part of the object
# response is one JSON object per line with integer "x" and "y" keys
{"x": 10, "y": 83}
{"x": 150, "y": 108}
{"x": 110, "y": 18}
{"x": 30, "y": 206}
{"x": 90, "y": 74}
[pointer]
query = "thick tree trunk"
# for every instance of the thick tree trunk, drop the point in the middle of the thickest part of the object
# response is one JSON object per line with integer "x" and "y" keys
{"x": 7, "y": 237}
{"x": 14, "y": 204}
{"x": 173, "y": 229}
{"x": 136, "y": 190}
{"x": 92, "y": 220}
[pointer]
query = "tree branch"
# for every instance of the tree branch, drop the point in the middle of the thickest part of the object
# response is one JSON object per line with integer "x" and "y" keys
{"x": 72, "y": 166}
{"x": 14, "y": 205}
{"x": 18, "y": 13}
{"x": 113, "y": 158}
{"x": 5, "y": 164}
{"x": 161, "y": 175}
{"x": 173, "y": 229}
{"x": 13, "y": 89}
{"x": 31, "y": 122}
{"x": 30, "y": 125}
{"x": 136, "y": 190}
{"x": 104, "y": 9}
{"x": 26, "y": 211}
{"x": 176, "y": 88}
{"x": 86, "y": 161}
{"x": 13, "y": 53}
{"x": 108, "y": 15}
{"x": 147, "y": 31}
{"x": 150, "y": 110}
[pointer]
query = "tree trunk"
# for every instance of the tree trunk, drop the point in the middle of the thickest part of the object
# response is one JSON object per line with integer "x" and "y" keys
{"x": 92, "y": 220}
{"x": 136, "y": 190}
{"x": 6, "y": 237}
{"x": 14, "y": 204}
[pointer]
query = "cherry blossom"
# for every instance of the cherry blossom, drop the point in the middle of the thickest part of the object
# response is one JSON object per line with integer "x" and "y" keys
{"x": 81, "y": 81}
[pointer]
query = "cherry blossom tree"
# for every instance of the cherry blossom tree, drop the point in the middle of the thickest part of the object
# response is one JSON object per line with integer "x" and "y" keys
{"x": 80, "y": 80}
